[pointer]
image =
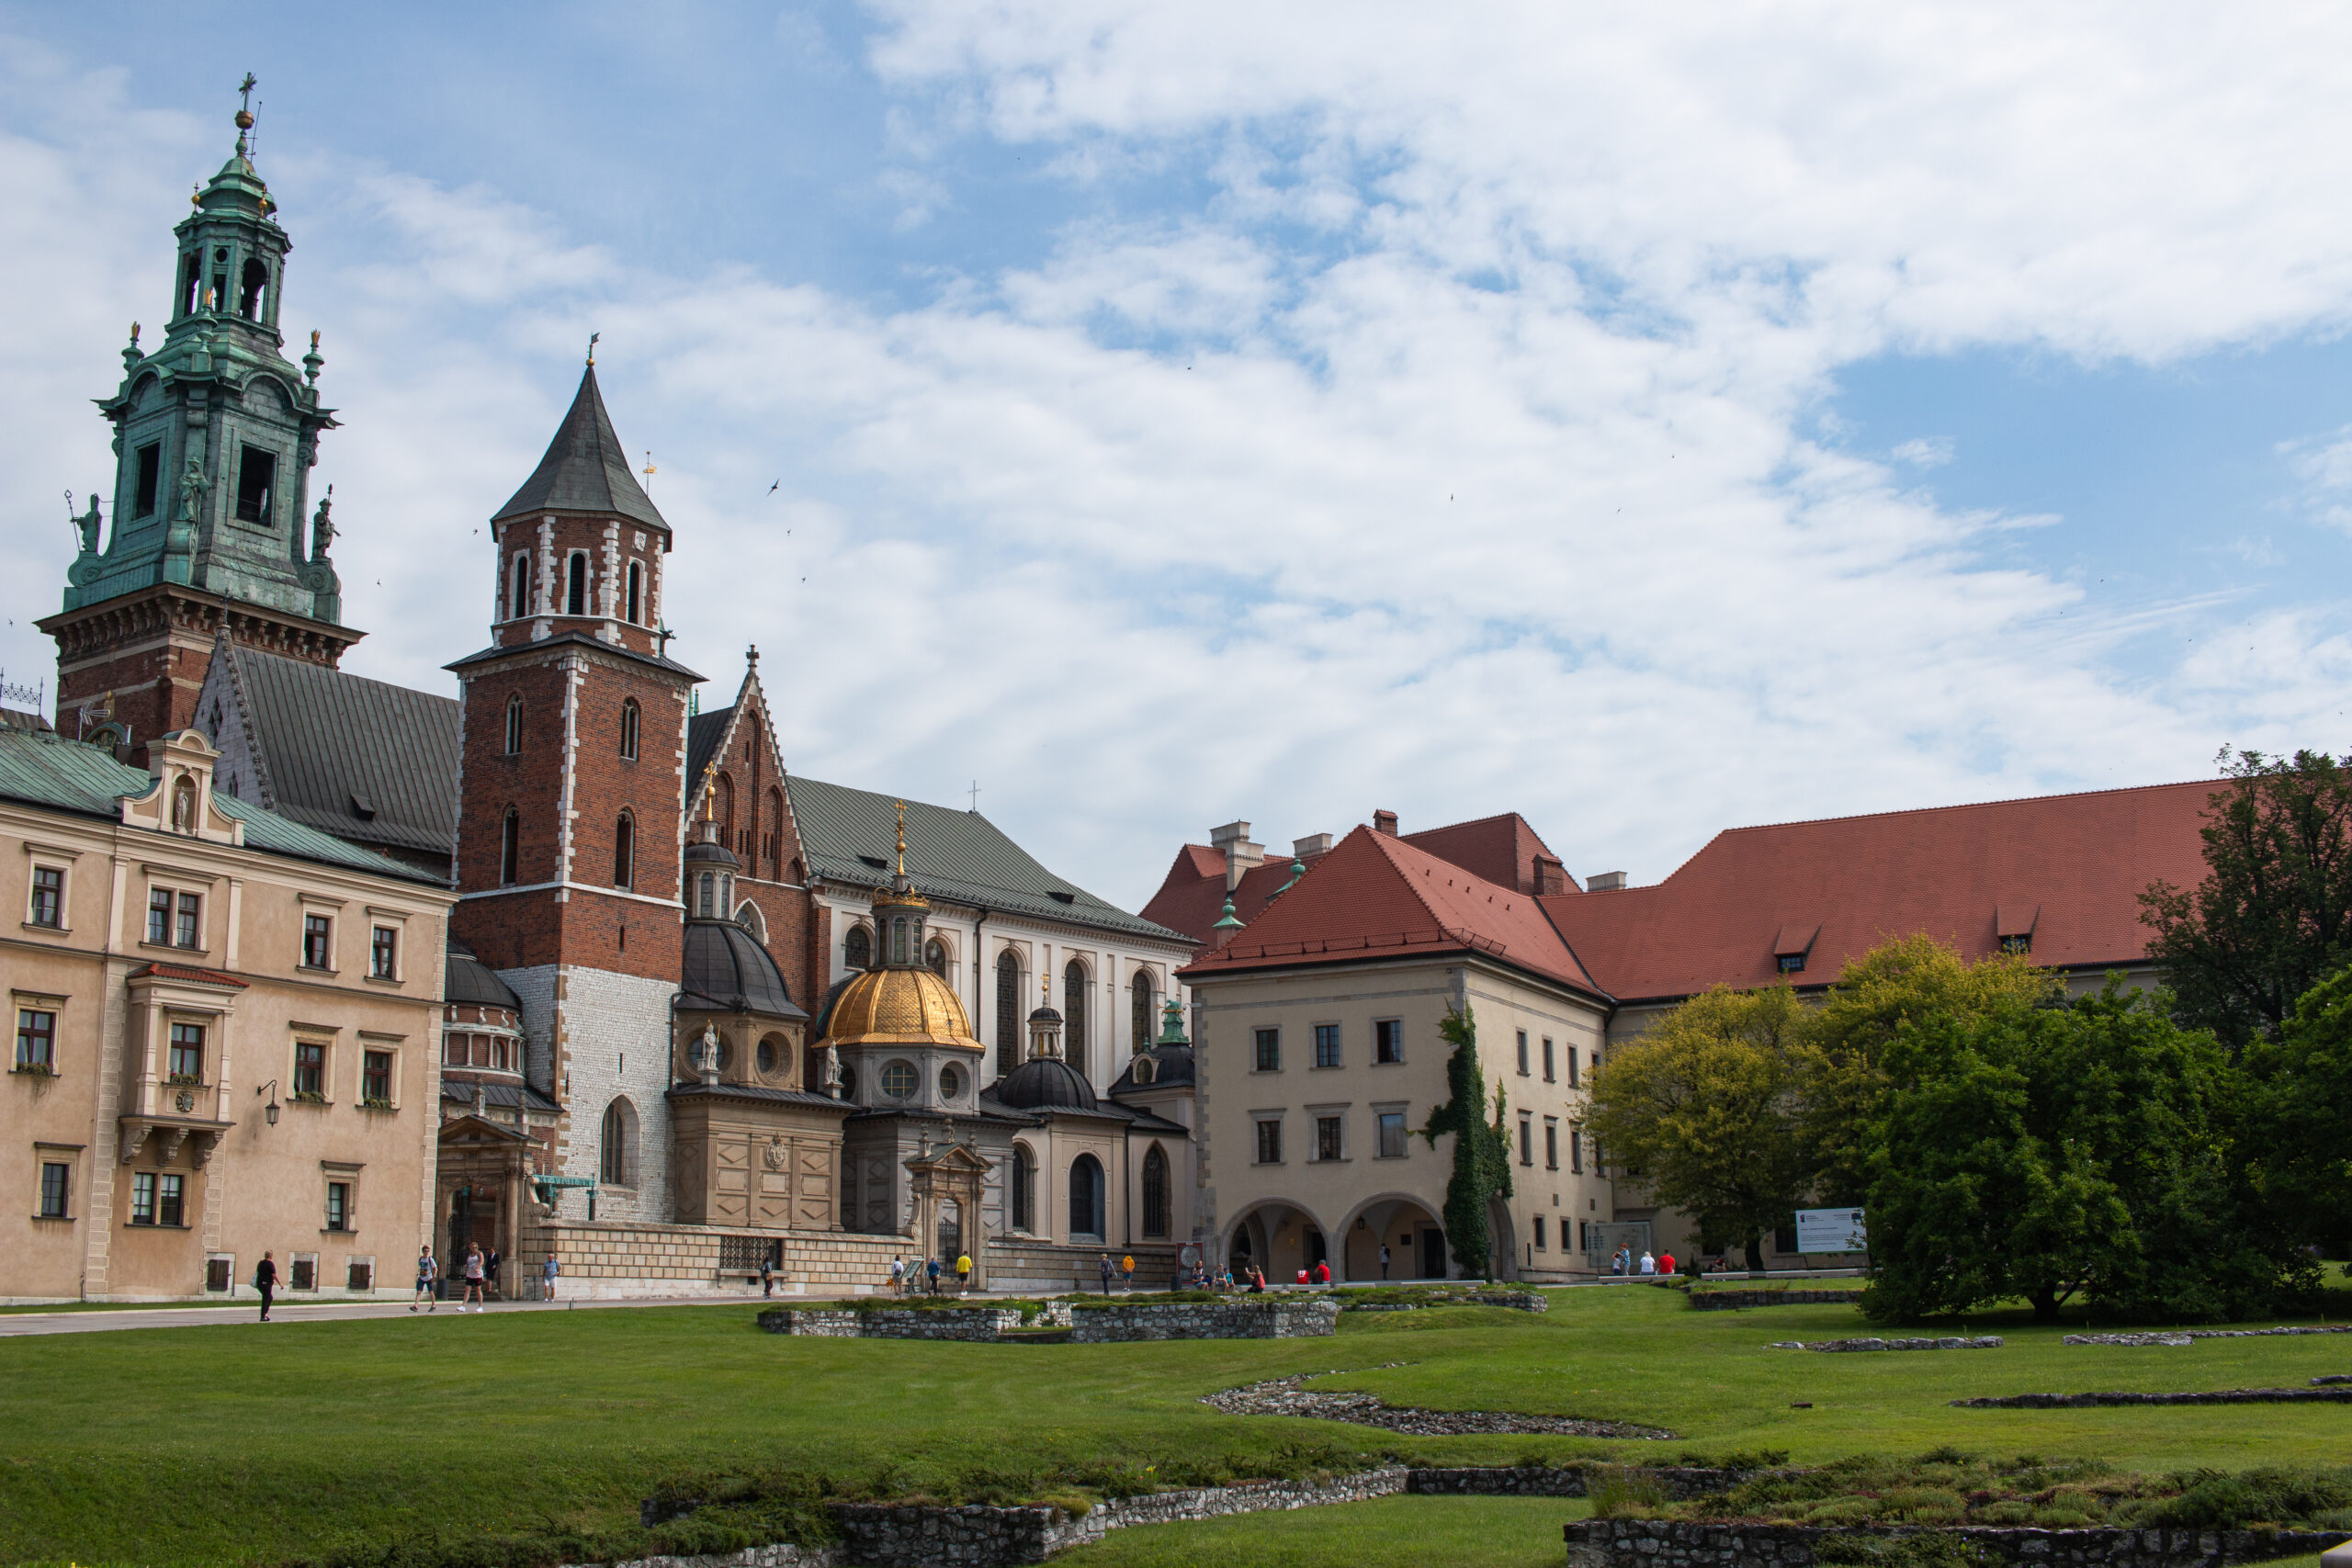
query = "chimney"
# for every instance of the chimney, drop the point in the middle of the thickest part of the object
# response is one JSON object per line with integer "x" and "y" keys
{"x": 1309, "y": 847}
{"x": 1551, "y": 876}
{"x": 1605, "y": 882}
{"x": 1241, "y": 854}
{"x": 1385, "y": 822}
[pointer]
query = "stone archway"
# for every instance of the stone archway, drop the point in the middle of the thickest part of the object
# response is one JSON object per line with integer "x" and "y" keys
{"x": 1396, "y": 1220}
{"x": 936, "y": 1179}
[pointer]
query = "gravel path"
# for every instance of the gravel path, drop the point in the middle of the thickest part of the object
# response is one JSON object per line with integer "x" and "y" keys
{"x": 1286, "y": 1396}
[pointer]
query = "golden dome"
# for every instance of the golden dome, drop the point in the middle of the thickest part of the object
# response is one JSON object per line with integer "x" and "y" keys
{"x": 899, "y": 1007}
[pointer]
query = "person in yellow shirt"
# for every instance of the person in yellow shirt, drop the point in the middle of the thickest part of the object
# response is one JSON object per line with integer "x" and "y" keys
{"x": 1127, "y": 1272}
{"x": 963, "y": 1271}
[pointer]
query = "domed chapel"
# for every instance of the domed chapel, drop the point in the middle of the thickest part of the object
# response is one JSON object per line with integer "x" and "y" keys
{"x": 702, "y": 1013}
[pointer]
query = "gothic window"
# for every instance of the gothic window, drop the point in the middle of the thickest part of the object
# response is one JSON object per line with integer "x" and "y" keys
{"x": 1140, "y": 1022}
{"x": 775, "y": 833}
{"x": 575, "y": 591}
{"x": 1074, "y": 1015}
{"x": 1008, "y": 1012}
{"x": 257, "y": 477}
{"x": 934, "y": 957}
{"x": 1155, "y": 1193}
{"x": 629, "y": 723}
{"x": 510, "y": 847}
{"x": 1086, "y": 1196}
{"x": 514, "y": 725}
{"x": 635, "y": 594}
{"x": 748, "y": 916}
{"x": 624, "y": 851}
{"x": 617, "y": 1159}
{"x": 857, "y": 948}
{"x": 251, "y": 293}
{"x": 522, "y": 594}
{"x": 1025, "y": 1188}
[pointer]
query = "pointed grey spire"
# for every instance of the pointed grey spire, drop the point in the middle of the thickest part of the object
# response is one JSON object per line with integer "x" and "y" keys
{"x": 585, "y": 469}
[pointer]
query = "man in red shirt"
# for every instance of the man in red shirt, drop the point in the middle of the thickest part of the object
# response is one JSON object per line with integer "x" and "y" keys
{"x": 1666, "y": 1263}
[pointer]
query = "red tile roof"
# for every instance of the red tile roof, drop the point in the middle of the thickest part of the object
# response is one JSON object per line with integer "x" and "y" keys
{"x": 184, "y": 972}
{"x": 1501, "y": 849}
{"x": 2068, "y": 867}
{"x": 1374, "y": 897}
{"x": 1191, "y": 899}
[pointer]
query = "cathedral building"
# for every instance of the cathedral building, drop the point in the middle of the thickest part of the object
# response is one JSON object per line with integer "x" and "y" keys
{"x": 699, "y": 1014}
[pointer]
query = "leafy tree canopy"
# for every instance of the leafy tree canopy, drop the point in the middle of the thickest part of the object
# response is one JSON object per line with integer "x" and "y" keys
{"x": 2292, "y": 1138}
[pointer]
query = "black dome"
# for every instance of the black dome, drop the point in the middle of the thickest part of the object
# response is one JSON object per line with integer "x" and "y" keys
{"x": 712, "y": 853}
{"x": 1170, "y": 1065}
{"x": 1045, "y": 1015}
{"x": 472, "y": 983}
{"x": 726, "y": 970}
{"x": 1045, "y": 1083}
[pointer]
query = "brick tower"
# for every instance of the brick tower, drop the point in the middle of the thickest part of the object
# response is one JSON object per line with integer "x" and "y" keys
{"x": 574, "y": 791}
{"x": 215, "y": 433}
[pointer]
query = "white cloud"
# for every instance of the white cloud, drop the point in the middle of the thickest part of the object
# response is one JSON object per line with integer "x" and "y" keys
{"x": 1924, "y": 451}
{"x": 1448, "y": 457}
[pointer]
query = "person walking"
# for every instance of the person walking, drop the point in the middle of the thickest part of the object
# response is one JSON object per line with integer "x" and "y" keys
{"x": 427, "y": 1271}
{"x": 767, "y": 1275}
{"x": 473, "y": 1278}
{"x": 898, "y": 1275}
{"x": 549, "y": 1275}
{"x": 1127, "y": 1272}
{"x": 489, "y": 1267}
{"x": 963, "y": 1271}
{"x": 1383, "y": 1260}
{"x": 931, "y": 1274}
{"x": 1105, "y": 1270}
{"x": 265, "y": 1282}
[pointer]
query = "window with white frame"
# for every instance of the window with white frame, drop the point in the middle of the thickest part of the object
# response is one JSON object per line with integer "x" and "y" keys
{"x": 175, "y": 917}
{"x": 185, "y": 1063}
{"x": 1270, "y": 1140}
{"x": 1331, "y": 1137}
{"x": 56, "y": 1187}
{"x": 318, "y": 942}
{"x": 37, "y": 1039}
{"x": 1388, "y": 1042}
{"x": 1393, "y": 1135}
{"x": 1326, "y": 1045}
{"x": 384, "y": 953}
{"x": 45, "y": 907}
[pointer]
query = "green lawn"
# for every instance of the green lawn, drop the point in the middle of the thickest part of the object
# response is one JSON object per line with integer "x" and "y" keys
{"x": 332, "y": 1442}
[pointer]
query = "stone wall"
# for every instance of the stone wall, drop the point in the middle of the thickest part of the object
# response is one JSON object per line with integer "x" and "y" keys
{"x": 1730, "y": 1301}
{"x": 1677, "y": 1543}
{"x": 903, "y": 1323}
{"x": 618, "y": 1260}
{"x": 1205, "y": 1320}
{"x": 1028, "y": 1267}
{"x": 1679, "y": 1483}
{"x": 1986, "y": 1342}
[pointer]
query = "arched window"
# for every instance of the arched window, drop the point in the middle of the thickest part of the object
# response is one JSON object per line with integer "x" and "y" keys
{"x": 630, "y": 722}
{"x": 748, "y": 916}
{"x": 510, "y": 848}
{"x": 898, "y": 940}
{"x": 191, "y": 278}
{"x": 1140, "y": 1009}
{"x": 624, "y": 851}
{"x": 514, "y": 725}
{"x": 934, "y": 957}
{"x": 1025, "y": 1188}
{"x": 1086, "y": 1196}
{"x": 1155, "y": 1192}
{"x": 520, "y": 598}
{"x": 1008, "y": 1012}
{"x": 635, "y": 594}
{"x": 776, "y": 834}
{"x": 252, "y": 294}
{"x": 707, "y": 895}
{"x": 857, "y": 948}
{"x": 575, "y": 591}
{"x": 616, "y": 1157}
{"x": 1074, "y": 1036}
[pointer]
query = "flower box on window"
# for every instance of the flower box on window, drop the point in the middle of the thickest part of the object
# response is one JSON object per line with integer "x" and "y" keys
{"x": 192, "y": 1080}
{"x": 377, "y": 1104}
{"x": 35, "y": 1069}
{"x": 308, "y": 1097}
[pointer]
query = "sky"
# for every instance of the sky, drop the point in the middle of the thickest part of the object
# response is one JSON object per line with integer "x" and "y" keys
{"x": 1650, "y": 422}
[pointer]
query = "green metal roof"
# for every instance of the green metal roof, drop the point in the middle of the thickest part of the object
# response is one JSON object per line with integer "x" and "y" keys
{"x": 961, "y": 856}
{"x": 66, "y": 776}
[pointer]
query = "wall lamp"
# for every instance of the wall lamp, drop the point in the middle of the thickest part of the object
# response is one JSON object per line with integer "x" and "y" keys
{"x": 270, "y": 1110}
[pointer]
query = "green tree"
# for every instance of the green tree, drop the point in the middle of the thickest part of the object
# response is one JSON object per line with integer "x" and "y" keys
{"x": 1481, "y": 1151}
{"x": 2292, "y": 1094}
{"x": 2062, "y": 1151}
{"x": 2273, "y": 917}
{"x": 1706, "y": 1107}
{"x": 1910, "y": 977}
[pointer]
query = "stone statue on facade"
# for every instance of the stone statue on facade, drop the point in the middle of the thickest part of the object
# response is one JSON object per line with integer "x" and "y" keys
{"x": 193, "y": 484}
{"x": 322, "y": 528}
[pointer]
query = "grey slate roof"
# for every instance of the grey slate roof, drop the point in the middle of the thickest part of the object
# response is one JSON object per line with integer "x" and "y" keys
{"x": 469, "y": 982}
{"x": 505, "y": 1096}
{"x": 585, "y": 469}
{"x": 704, "y": 732}
{"x": 360, "y": 758}
{"x": 66, "y": 776}
{"x": 959, "y": 856}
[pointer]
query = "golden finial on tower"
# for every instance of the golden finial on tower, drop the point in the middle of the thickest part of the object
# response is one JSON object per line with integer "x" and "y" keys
{"x": 707, "y": 773}
{"x": 902, "y": 838}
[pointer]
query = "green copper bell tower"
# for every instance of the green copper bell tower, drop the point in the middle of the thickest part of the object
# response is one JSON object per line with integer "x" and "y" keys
{"x": 215, "y": 435}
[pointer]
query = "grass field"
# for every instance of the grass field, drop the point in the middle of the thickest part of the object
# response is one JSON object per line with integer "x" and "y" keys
{"x": 421, "y": 1439}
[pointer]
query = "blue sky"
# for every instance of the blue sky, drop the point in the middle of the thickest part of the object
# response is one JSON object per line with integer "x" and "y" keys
{"x": 1649, "y": 425}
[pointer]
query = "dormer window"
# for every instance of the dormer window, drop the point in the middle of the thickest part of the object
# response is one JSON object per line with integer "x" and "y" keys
{"x": 2022, "y": 944}
{"x": 1792, "y": 963}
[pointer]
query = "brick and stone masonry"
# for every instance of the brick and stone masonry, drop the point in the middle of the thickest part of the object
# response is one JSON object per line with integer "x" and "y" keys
{"x": 1679, "y": 1543}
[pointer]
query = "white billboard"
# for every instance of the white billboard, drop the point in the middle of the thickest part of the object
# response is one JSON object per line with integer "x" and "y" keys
{"x": 1831, "y": 1230}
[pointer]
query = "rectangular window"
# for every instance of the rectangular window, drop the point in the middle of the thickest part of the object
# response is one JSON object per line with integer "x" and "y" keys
{"x": 142, "y": 1197}
{"x": 1522, "y": 1053}
{"x": 1526, "y": 1139}
{"x": 1326, "y": 1137}
{"x": 1584, "y": 1235}
{"x": 146, "y": 491}
{"x": 191, "y": 921}
{"x": 1551, "y": 1144}
{"x": 303, "y": 1271}
{"x": 56, "y": 1188}
{"x": 635, "y": 596}
{"x": 256, "y": 479}
{"x": 338, "y": 1205}
{"x": 37, "y": 1039}
{"x": 186, "y": 1062}
{"x": 1576, "y": 1152}
{"x": 309, "y": 1070}
{"x": 1270, "y": 1143}
{"x": 1388, "y": 1041}
{"x": 318, "y": 942}
{"x": 159, "y": 916}
{"x": 362, "y": 1276}
{"x": 48, "y": 896}
{"x": 376, "y": 1077}
{"x": 171, "y": 1195}
{"x": 384, "y": 953}
{"x": 1792, "y": 964}
{"x": 1392, "y": 1135}
{"x": 1539, "y": 1235}
{"x": 1572, "y": 1067}
{"x": 1327, "y": 1044}
{"x": 1548, "y": 1075}
{"x": 1269, "y": 1050}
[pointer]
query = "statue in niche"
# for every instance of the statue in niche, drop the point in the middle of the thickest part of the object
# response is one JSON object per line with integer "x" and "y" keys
{"x": 193, "y": 484}
{"x": 707, "y": 1052}
{"x": 184, "y": 807}
{"x": 322, "y": 528}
